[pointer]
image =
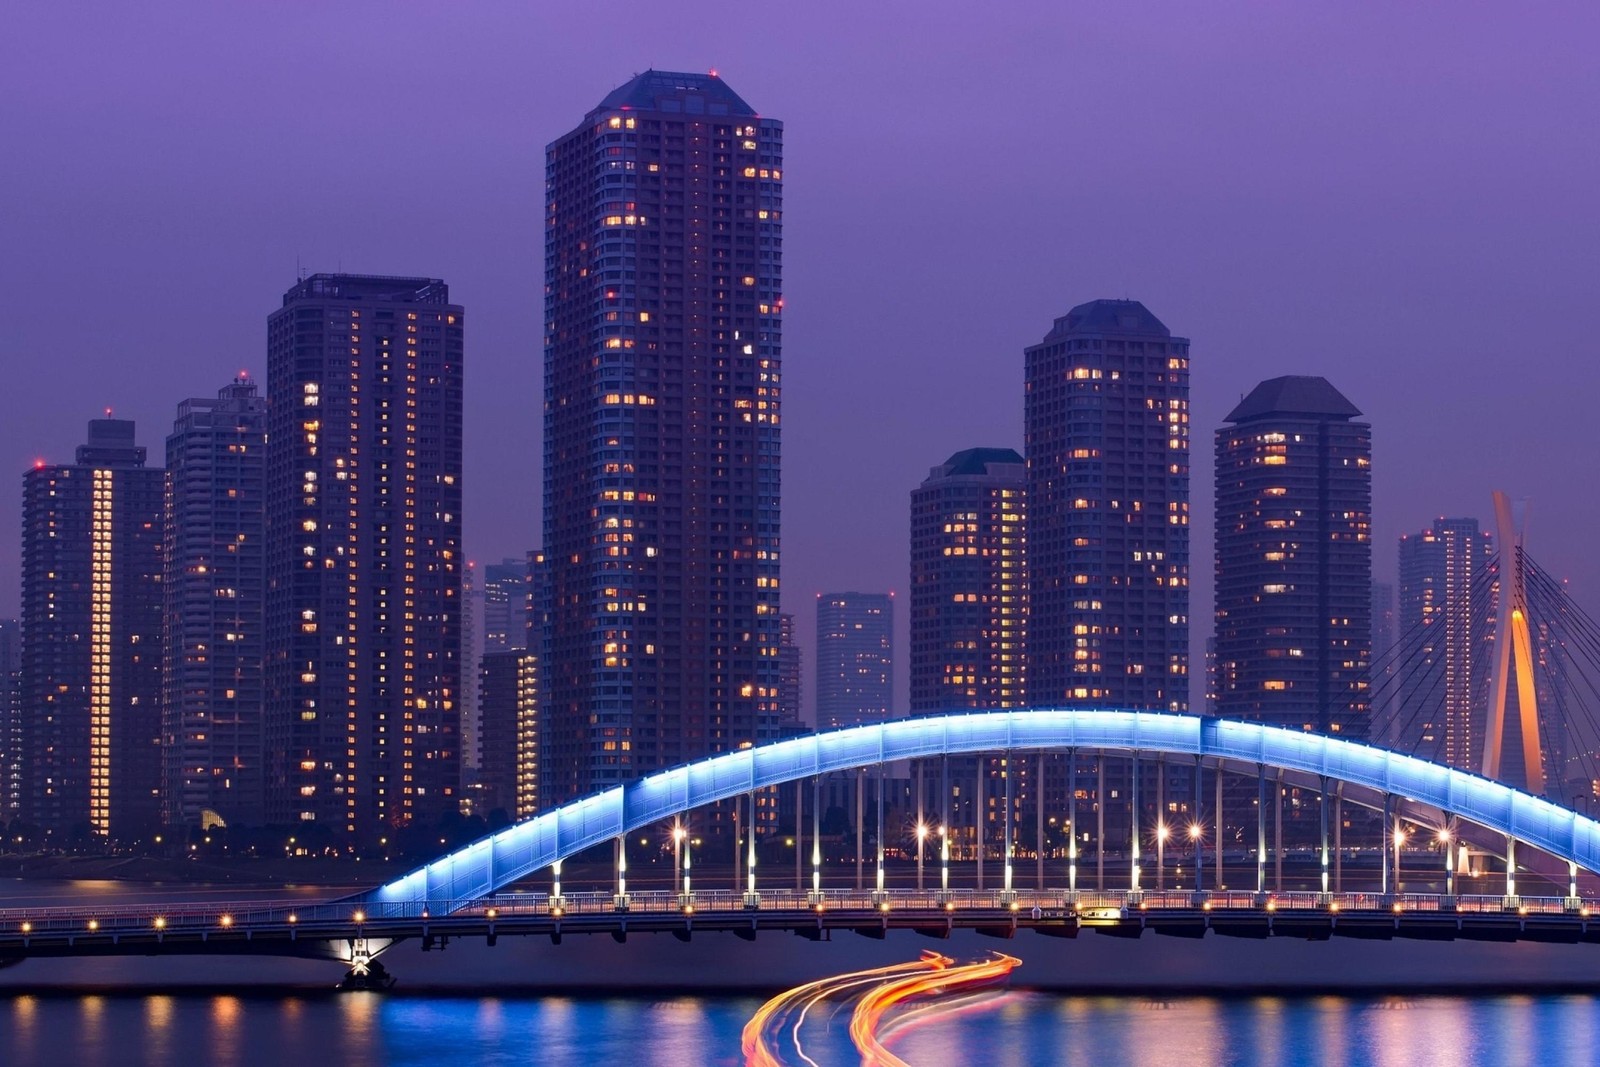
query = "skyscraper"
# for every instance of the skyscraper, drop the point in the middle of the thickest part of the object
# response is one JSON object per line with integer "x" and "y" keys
{"x": 505, "y": 605}
{"x": 508, "y": 697}
{"x": 1445, "y": 611}
{"x": 364, "y": 568}
{"x": 1294, "y": 559}
{"x": 214, "y": 583}
{"x": 91, "y": 639}
{"x": 969, "y": 583}
{"x": 855, "y": 658}
{"x": 663, "y": 304}
{"x": 1107, "y": 422}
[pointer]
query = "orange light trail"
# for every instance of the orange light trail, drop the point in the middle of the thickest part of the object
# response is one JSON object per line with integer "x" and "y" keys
{"x": 753, "y": 1041}
{"x": 872, "y": 1007}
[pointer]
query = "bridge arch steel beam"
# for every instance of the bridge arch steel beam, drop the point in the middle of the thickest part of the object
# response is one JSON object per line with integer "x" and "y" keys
{"x": 518, "y": 851}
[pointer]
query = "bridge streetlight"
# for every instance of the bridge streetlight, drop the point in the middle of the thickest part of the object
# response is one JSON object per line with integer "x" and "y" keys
{"x": 678, "y": 835}
{"x": 1399, "y": 839}
{"x": 816, "y": 838}
{"x": 1198, "y": 845}
{"x": 922, "y": 837}
{"x": 1449, "y": 862}
{"x": 1161, "y": 855}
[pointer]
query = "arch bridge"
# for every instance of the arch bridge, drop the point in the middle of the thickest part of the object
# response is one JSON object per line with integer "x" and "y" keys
{"x": 1367, "y": 775}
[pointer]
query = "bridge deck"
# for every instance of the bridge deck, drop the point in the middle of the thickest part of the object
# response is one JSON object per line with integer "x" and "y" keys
{"x": 296, "y": 929}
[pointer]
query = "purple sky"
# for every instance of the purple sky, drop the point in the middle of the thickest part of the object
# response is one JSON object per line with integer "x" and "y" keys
{"x": 1399, "y": 197}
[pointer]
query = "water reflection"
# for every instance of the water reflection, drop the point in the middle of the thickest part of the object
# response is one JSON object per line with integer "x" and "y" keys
{"x": 1015, "y": 1029}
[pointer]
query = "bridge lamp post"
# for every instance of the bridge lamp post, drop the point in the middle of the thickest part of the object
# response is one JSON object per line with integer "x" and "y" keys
{"x": 558, "y": 903}
{"x": 622, "y": 874}
{"x": 922, "y": 837}
{"x": 750, "y": 898}
{"x": 1399, "y": 840}
{"x": 944, "y": 863}
{"x": 1161, "y": 855}
{"x": 1446, "y": 840}
{"x": 1198, "y": 845}
{"x": 678, "y": 834}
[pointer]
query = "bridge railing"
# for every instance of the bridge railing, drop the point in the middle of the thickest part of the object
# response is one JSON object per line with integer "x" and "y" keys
{"x": 346, "y": 917}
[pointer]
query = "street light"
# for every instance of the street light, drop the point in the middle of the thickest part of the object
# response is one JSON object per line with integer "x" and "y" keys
{"x": 1199, "y": 857}
{"x": 922, "y": 837}
{"x": 1162, "y": 834}
{"x": 1399, "y": 839}
{"x": 1449, "y": 862}
{"x": 678, "y": 834}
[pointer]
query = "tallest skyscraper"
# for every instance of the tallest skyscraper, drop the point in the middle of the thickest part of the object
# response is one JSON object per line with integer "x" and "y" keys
{"x": 663, "y": 302}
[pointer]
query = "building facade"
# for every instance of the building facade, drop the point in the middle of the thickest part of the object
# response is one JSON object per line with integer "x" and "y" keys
{"x": 855, "y": 659}
{"x": 91, "y": 640}
{"x": 1107, "y": 423}
{"x": 508, "y": 695}
{"x": 791, "y": 688}
{"x": 505, "y": 605}
{"x": 364, "y": 568}
{"x": 662, "y": 377}
{"x": 969, "y": 603}
{"x": 1294, "y": 559}
{"x": 10, "y": 719}
{"x": 214, "y": 589}
{"x": 1446, "y": 612}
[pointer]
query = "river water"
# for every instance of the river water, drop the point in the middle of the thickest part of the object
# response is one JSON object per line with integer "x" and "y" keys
{"x": 54, "y": 1013}
{"x": 1015, "y": 1029}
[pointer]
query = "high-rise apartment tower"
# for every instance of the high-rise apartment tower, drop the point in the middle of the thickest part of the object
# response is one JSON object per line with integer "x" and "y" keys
{"x": 1107, "y": 422}
{"x": 1294, "y": 559}
{"x": 855, "y": 658}
{"x": 969, "y": 604}
{"x": 663, "y": 303}
{"x": 214, "y": 587}
{"x": 1447, "y": 615}
{"x": 91, "y": 639}
{"x": 364, "y": 568}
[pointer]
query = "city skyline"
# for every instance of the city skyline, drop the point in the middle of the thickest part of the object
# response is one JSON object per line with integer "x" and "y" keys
{"x": 1235, "y": 291}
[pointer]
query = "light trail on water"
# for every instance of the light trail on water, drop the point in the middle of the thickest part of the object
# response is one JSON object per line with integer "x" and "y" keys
{"x": 758, "y": 1051}
{"x": 934, "y": 975}
{"x": 871, "y": 1008}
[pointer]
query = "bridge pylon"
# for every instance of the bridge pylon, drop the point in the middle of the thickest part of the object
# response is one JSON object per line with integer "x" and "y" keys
{"x": 1513, "y": 642}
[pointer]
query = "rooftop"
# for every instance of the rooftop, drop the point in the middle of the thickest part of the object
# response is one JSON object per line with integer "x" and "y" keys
{"x": 369, "y": 287}
{"x": 669, "y": 90}
{"x": 976, "y": 461}
{"x": 1121, "y": 317}
{"x": 1294, "y": 394}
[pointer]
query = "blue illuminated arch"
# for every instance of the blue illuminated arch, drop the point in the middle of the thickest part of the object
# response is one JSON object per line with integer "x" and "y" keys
{"x": 514, "y": 853}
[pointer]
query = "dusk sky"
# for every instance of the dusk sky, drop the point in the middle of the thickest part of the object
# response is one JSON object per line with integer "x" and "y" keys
{"x": 1402, "y": 198}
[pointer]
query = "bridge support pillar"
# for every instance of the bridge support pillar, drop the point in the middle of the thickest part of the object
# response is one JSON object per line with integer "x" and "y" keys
{"x": 816, "y": 836}
{"x": 1072, "y": 824}
{"x": 944, "y": 830}
{"x": 1261, "y": 830}
{"x": 366, "y": 974}
{"x": 1007, "y": 893}
{"x": 1100, "y": 823}
{"x": 1133, "y": 827}
{"x": 1197, "y": 835}
{"x": 882, "y": 782}
{"x": 1383, "y": 843}
{"x": 1512, "y": 900}
{"x": 1322, "y": 805}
